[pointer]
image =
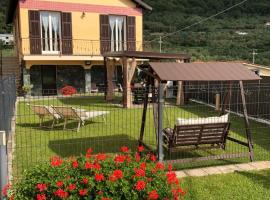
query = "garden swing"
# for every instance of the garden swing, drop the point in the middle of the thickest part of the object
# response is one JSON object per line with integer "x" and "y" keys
{"x": 201, "y": 133}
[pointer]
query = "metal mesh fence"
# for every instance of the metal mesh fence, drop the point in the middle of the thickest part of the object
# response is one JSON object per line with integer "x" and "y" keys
{"x": 68, "y": 125}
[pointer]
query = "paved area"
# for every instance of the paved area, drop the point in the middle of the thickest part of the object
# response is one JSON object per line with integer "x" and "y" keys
{"x": 260, "y": 165}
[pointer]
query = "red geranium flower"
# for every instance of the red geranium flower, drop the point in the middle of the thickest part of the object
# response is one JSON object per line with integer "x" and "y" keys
{"x": 118, "y": 174}
{"x": 140, "y": 148}
{"x": 140, "y": 185}
{"x": 83, "y": 192}
{"x": 159, "y": 166}
{"x": 88, "y": 165}
{"x": 68, "y": 90}
{"x": 104, "y": 198}
{"x": 124, "y": 149}
{"x": 153, "y": 195}
{"x": 153, "y": 157}
{"x": 72, "y": 187}
{"x": 61, "y": 193}
{"x": 59, "y": 183}
{"x": 85, "y": 181}
{"x": 41, "y": 187}
{"x": 97, "y": 166}
{"x": 75, "y": 164}
{"x": 99, "y": 177}
{"x": 171, "y": 178}
{"x": 119, "y": 158}
{"x": 89, "y": 151}
{"x": 139, "y": 172}
{"x": 101, "y": 156}
{"x": 41, "y": 197}
{"x": 143, "y": 165}
{"x": 56, "y": 161}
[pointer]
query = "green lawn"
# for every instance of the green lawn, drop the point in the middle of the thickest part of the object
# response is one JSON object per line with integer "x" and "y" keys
{"x": 122, "y": 127}
{"x": 240, "y": 185}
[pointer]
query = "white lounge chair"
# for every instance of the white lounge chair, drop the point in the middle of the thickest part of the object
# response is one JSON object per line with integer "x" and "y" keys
{"x": 70, "y": 113}
{"x": 45, "y": 111}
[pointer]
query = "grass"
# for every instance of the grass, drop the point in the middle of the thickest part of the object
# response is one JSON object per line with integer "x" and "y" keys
{"x": 253, "y": 185}
{"x": 122, "y": 127}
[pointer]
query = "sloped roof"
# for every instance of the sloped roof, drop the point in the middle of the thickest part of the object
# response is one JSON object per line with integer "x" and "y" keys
{"x": 214, "y": 71}
{"x": 148, "y": 55}
{"x": 13, "y": 3}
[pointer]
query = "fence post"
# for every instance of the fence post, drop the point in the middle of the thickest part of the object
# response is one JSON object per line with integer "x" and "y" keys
{"x": 3, "y": 161}
{"x": 160, "y": 121}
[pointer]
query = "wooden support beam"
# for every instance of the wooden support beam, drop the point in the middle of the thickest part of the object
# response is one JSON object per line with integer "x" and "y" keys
{"x": 145, "y": 105}
{"x": 180, "y": 99}
{"x": 129, "y": 68}
{"x": 226, "y": 100}
{"x": 247, "y": 125}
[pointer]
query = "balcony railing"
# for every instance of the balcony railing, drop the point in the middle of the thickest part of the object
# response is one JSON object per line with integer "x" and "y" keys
{"x": 76, "y": 47}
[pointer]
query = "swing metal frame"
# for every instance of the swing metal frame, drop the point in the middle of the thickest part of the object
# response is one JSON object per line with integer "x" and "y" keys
{"x": 155, "y": 78}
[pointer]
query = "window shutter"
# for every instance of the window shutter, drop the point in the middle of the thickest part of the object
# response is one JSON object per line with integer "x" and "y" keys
{"x": 131, "y": 33}
{"x": 34, "y": 32}
{"x": 105, "y": 38}
{"x": 66, "y": 33}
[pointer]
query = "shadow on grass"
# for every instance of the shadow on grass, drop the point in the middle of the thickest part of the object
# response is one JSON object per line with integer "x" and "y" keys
{"x": 46, "y": 126}
{"x": 259, "y": 178}
{"x": 78, "y": 146}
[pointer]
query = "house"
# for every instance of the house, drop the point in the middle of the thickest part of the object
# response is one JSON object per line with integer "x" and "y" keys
{"x": 7, "y": 38}
{"x": 61, "y": 42}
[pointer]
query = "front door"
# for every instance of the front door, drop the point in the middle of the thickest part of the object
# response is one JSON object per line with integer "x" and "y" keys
{"x": 48, "y": 74}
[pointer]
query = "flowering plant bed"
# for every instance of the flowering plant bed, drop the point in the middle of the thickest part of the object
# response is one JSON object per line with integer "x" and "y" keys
{"x": 101, "y": 176}
{"x": 68, "y": 90}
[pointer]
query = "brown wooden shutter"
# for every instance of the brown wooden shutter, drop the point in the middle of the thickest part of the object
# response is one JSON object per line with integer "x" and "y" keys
{"x": 131, "y": 33}
{"x": 34, "y": 32}
{"x": 105, "y": 38}
{"x": 66, "y": 33}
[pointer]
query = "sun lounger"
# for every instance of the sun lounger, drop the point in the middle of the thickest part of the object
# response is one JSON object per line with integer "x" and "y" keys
{"x": 45, "y": 111}
{"x": 70, "y": 113}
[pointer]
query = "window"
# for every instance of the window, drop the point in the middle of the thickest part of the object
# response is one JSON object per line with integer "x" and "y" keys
{"x": 118, "y": 33}
{"x": 50, "y": 32}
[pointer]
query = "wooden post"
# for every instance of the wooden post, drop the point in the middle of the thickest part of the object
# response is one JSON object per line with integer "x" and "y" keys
{"x": 226, "y": 99}
{"x": 217, "y": 102}
{"x": 180, "y": 100}
{"x": 128, "y": 72}
{"x": 110, "y": 66}
{"x": 145, "y": 105}
{"x": 247, "y": 125}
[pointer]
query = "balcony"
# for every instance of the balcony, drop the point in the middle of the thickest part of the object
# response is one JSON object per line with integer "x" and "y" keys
{"x": 75, "y": 47}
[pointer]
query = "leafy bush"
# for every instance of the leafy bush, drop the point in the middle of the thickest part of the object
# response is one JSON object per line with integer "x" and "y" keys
{"x": 68, "y": 90}
{"x": 103, "y": 176}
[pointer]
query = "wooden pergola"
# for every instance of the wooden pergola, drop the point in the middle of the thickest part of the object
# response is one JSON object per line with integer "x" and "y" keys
{"x": 129, "y": 60}
{"x": 159, "y": 73}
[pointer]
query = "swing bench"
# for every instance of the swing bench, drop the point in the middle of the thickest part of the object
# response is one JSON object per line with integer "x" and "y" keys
{"x": 212, "y": 132}
{"x": 203, "y": 133}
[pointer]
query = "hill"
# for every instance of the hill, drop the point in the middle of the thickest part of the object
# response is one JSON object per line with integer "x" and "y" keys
{"x": 230, "y": 36}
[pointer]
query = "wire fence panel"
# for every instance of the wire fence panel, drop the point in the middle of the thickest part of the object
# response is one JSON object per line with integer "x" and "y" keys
{"x": 67, "y": 125}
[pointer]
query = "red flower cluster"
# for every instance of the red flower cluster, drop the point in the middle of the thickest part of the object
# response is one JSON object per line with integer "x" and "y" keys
{"x": 41, "y": 187}
{"x": 140, "y": 185}
{"x": 56, "y": 161}
{"x": 105, "y": 177}
{"x": 68, "y": 90}
{"x": 61, "y": 194}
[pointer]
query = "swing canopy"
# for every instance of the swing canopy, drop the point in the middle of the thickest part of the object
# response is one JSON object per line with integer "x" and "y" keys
{"x": 212, "y": 71}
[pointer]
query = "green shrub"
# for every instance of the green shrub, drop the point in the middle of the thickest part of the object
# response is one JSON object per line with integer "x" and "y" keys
{"x": 102, "y": 176}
